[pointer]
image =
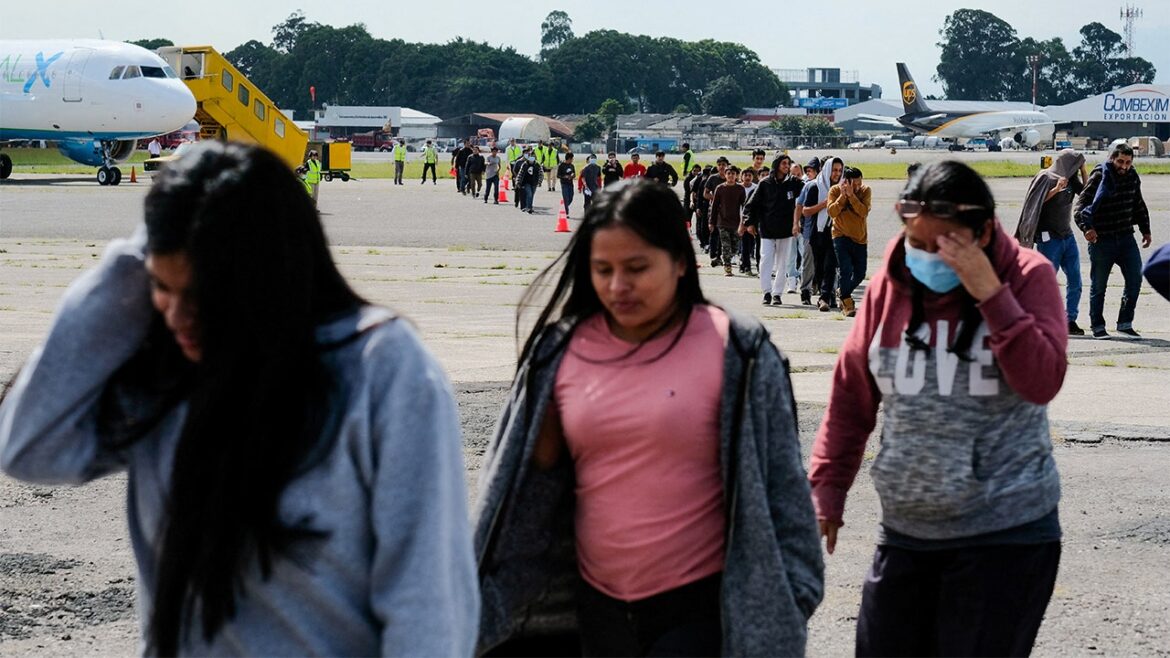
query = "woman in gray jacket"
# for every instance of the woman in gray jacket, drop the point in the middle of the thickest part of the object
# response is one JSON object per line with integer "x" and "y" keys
{"x": 293, "y": 453}
{"x": 644, "y": 492}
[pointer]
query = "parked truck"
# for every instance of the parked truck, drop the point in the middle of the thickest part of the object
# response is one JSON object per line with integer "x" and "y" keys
{"x": 374, "y": 140}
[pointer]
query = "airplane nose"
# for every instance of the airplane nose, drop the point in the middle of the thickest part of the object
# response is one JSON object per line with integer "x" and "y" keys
{"x": 180, "y": 102}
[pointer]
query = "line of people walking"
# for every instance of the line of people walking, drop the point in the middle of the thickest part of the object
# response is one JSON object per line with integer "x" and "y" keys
{"x": 296, "y": 482}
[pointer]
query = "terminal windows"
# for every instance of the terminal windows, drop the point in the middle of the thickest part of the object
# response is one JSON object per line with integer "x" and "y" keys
{"x": 117, "y": 72}
{"x": 243, "y": 95}
{"x": 278, "y": 128}
{"x": 227, "y": 80}
{"x": 258, "y": 108}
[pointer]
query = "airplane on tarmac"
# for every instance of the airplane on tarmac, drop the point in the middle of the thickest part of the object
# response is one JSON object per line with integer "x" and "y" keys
{"x": 95, "y": 98}
{"x": 1026, "y": 128}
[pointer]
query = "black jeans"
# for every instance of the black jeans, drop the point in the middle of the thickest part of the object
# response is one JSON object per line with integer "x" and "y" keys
{"x": 494, "y": 181}
{"x": 824, "y": 263}
{"x": 431, "y": 167}
{"x": 978, "y": 601}
{"x": 685, "y": 621}
{"x": 1111, "y": 249}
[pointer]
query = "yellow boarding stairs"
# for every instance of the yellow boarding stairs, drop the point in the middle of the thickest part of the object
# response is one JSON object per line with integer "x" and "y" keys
{"x": 230, "y": 107}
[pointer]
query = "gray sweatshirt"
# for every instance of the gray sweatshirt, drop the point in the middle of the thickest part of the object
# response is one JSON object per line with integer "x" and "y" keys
{"x": 396, "y": 575}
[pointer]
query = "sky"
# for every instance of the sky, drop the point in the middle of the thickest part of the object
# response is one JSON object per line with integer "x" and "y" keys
{"x": 854, "y": 35}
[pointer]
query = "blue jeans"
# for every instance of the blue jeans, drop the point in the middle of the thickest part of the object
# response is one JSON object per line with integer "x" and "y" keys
{"x": 851, "y": 261}
{"x": 1065, "y": 256}
{"x": 1119, "y": 249}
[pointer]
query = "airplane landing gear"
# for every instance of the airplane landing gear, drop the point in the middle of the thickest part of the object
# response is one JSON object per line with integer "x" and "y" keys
{"x": 5, "y": 166}
{"x": 109, "y": 176}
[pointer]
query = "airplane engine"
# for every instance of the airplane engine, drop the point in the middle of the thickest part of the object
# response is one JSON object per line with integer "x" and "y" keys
{"x": 90, "y": 152}
{"x": 1029, "y": 138}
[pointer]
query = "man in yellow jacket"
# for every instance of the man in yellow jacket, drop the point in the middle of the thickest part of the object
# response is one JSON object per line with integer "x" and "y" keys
{"x": 430, "y": 159}
{"x": 313, "y": 174}
{"x": 399, "y": 160}
{"x": 849, "y": 204}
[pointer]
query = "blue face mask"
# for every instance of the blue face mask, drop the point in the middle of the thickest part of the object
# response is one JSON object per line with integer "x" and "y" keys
{"x": 931, "y": 270}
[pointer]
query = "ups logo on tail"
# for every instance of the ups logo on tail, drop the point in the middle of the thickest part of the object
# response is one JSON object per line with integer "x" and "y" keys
{"x": 909, "y": 92}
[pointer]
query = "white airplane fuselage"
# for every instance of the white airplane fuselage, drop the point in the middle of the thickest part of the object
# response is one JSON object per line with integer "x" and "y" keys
{"x": 88, "y": 95}
{"x": 981, "y": 124}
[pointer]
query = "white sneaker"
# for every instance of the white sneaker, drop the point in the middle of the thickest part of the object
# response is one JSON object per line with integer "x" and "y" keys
{"x": 791, "y": 286}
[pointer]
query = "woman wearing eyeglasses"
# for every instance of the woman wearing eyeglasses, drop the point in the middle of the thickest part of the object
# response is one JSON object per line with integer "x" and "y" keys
{"x": 961, "y": 338}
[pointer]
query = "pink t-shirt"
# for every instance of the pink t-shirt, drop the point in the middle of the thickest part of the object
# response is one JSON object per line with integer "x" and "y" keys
{"x": 644, "y": 438}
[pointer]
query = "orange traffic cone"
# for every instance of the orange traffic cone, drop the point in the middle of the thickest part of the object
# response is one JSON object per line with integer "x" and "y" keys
{"x": 503, "y": 198}
{"x": 562, "y": 220}
{"x": 133, "y": 178}
{"x": 507, "y": 183}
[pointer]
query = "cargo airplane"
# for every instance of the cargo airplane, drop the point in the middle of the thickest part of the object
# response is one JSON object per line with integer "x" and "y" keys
{"x": 1026, "y": 128}
{"x": 94, "y": 98}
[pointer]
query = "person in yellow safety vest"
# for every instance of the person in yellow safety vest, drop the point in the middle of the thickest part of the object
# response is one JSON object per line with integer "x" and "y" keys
{"x": 550, "y": 166}
{"x": 430, "y": 158}
{"x": 313, "y": 174}
{"x": 514, "y": 152}
{"x": 399, "y": 160}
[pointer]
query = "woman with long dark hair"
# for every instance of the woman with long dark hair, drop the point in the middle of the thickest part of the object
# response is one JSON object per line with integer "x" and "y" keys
{"x": 961, "y": 339}
{"x": 295, "y": 471}
{"x": 644, "y": 493}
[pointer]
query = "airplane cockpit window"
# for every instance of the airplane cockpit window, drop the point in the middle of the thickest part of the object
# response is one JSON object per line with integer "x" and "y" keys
{"x": 131, "y": 72}
{"x": 153, "y": 72}
{"x": 117, "y": 72}
{"x": 170, "y": 72}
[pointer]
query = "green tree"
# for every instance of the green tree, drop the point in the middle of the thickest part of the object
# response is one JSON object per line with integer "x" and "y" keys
{"x": 681, "y": 108}
{"x": 589, "y": 129}
{"x": 153, "y": 44}
{"x": 724, "y": 97}
{"x": 1055, "y": 80}
{"x": 787, "y": 125}
{"x": 556, "y": 29}
{"x": 608, "y": 112}
{"x": 980, "y": 57}
{"x": 286, "y": 33}
{"x": 1100, "y": 64}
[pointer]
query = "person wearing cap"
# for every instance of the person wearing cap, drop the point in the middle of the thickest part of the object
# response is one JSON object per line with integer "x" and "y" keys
{"x": 313, "y": 173}
{"x": 430, "y": 159}
{"x": 635, "y": 169}
{"x": 399, "y": 161}
{"x": 849, "y": 205}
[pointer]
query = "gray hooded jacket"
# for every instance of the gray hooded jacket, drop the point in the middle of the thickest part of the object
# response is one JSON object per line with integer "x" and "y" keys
{"x": 773, "y": 576}
{"x": 396, "y": 574}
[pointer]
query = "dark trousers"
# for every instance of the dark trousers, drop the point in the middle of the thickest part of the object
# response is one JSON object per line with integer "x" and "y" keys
{"x": 474, "y": 183}
{"x": 494, "y": 181}
{"x": 979, "y": 601}
{"x": 702, "y": 230}
{"x": 824, "y": 262}
{"x": 429, "y": 166}
{"x": 567, "y": 195}
{"x": 1119, "y": 249}
{"x": 460, "y": 178}
{"x": 527, "y": 193}
{"x": 851, "y": 261}
{"x": 681, "y": 622}
{"x": 747, "y": 249}
{"x": 729, "y": 247}
{"x": 399, "y": 165}
{"x": 588, "y": 200}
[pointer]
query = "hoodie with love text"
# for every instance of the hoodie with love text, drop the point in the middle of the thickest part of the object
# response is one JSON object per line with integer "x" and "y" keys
{"x": 965, "y": 446}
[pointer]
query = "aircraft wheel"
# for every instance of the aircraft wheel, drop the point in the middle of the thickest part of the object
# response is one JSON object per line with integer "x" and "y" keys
{"x": 5, "y": 166}
{"x": 116, "y": 175}
{"x": 104, "y": 176}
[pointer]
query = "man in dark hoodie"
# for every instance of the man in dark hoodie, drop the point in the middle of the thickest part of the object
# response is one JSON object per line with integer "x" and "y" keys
{"x": 769, "y": 213}
{"x": 1107, "y": 210}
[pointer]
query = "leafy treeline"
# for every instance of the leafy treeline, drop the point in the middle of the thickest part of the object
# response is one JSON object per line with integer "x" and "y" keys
{"x": 983, "y": 59}
{"x": 348, "y": 66}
